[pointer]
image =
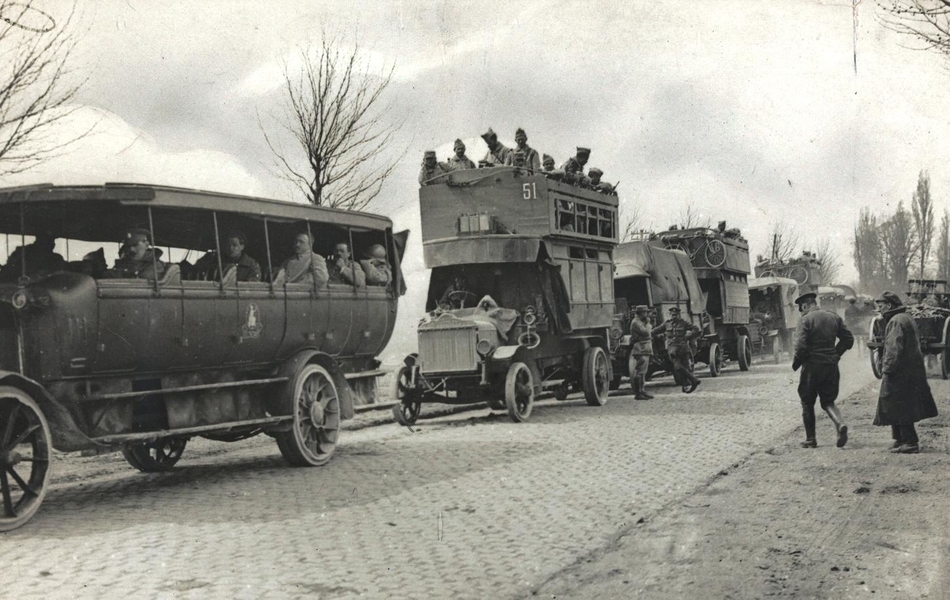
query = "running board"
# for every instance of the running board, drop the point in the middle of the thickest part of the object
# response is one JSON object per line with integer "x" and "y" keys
{"x": 150, "y": 436}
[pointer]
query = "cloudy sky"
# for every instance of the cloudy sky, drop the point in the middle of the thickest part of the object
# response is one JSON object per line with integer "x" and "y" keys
{"x": 749, "y": 110}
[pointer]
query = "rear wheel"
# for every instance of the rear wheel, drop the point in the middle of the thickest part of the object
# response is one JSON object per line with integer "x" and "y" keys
{"x": 25, "y": 453}
{"x": 408, "y": 406}
{"x": 596, "y": 376}
{"x": 715, "y": 359}
{"x": 744, "y": 352}
{"x": 519, "y": 392}
{"x": 154, "y": 457}
{"x": 316, "y": 426}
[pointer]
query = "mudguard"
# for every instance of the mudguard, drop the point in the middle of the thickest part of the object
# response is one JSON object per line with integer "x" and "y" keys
{"x": 67, "y": 437}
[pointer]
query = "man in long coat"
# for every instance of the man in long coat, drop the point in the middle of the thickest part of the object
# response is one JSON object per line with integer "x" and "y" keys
{"x": 817, "y": 354}
{"x": 905, "y": 396}
{"x": 679, "y": 332}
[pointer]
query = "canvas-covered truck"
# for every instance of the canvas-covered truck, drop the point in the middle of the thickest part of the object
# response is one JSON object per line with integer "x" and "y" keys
{"x": 774, "y": 317}
{"x": 521, "y": 293}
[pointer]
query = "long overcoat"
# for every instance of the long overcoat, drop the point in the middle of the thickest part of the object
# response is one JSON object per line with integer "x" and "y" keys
{"x": 905, "y": 395}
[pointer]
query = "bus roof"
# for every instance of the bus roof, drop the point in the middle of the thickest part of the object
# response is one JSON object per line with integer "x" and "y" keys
{"x": 173, "y": 197}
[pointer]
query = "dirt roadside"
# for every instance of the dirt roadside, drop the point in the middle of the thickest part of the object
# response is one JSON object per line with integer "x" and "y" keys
{"x": 787, "y": 522}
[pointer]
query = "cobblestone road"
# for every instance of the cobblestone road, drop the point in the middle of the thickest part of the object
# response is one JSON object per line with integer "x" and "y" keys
{"x": 468, "y": 506}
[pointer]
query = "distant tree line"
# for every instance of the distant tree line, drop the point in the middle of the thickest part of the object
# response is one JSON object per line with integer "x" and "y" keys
{"x": 888, "y": 249}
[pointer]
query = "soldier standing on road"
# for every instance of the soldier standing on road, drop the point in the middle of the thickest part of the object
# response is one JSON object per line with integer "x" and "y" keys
{"x": 531, "y": 159}
{"x": 641, "y": 351}
{"x": 497, "y": 152}
{"x": 431, "y": 168}
{"x": 905, "y": 396}
{"x": 817, "y": 354}
{"x": 679, "y": 332}
{"x": 460, "y": 161}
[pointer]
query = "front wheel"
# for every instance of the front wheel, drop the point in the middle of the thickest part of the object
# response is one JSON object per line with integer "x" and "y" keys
{"x": 316, "y": 426}
{"x": 408, "y": 406}
{"x": 596, "y": 376}
{"x": 25, "y": 454}
{"x": 744, "y": 352}
{"x": 519, "y": 392}
{"x": 155, "y": 457}
{"x": 715, "y": 359}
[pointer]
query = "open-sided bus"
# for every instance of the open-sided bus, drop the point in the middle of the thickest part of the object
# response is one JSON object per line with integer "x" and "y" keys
{"x": 521, "y": 293}
{"x": 720, "y": 258}
{"x": 93, "y": 362}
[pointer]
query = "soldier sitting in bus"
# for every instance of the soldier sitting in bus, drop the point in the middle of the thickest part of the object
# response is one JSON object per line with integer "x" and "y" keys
{"x": 137, "y": 259}
{"x": 305, "y": 266}
{"x": 377, "y": 269}
{"x": 38, "y": 256}
{"x": 342, "y": 268}
{"x": 234, "y": 257}
{"x": 457, "y": 295}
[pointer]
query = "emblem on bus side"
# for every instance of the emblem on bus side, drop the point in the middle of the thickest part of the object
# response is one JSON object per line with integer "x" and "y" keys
{"x": 252, "y": 324}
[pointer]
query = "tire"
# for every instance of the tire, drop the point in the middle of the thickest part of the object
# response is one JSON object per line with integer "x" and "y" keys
{"x": 519, "y": 392}
{"x": 798, "y": 273}
{"x": 24, "y": 440}
{"x": 408, "y": 406}
{"x": 877, "y": 357}
{"x": 155, "y": 457}
{"x": 596, "y": 376}
{"x": 715, "y": 359}
{"x": 744, "y": 352}
{"x": 715, "y": 253}
{"x": 316, "y": 426}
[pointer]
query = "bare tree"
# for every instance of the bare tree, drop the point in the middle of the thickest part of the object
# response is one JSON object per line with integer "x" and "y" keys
{"x": 634, "y": 224}
{"x": 830, "y": 266}
{"x": 335, "y": 113}
{"x": 943, "y": 248}
{"x": 923, "y": 210}
{"x": 690, "y": 216}
{"x": 868, "y": 252}
{"x": 783, "y": 242}
{"x": 926, "y": 20}
{"x": 900, "y": 245}
{"x": 37, "y": 87}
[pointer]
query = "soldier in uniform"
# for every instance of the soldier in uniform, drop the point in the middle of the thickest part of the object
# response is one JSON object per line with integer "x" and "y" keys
{"x": 377, "y": 269}
{"x": 817, "y": 354}
{"x": 548, "y": 163}
{"x": 679, "y": 332}
{"x": 305, "y": 266}
{"x": 343, "y": 269}
{"x": 497, "y": 152}
{"x": 641, "y": 351}
{"x": 137, "y": 259}
{"x": 38, "y": 256}
{"x": 531, "y": 159}
{"x": 431, "y": 168}
{"x": 247, "y": 268}
{"x": 574, "y": 166}
{"x": 460, "y": 161}
{"x": 905, "y": 396}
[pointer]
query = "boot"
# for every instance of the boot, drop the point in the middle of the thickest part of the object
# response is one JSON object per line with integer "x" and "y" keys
{"x": 838, "y": 420}
{"x": 638, "y": 388}
{"x": 896, "y": 434}
{"x": 808, "y": 417}
{"x": 643, "y": 388}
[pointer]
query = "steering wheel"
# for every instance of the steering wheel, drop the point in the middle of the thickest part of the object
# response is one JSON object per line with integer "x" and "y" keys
{"x": 458, "y": 297}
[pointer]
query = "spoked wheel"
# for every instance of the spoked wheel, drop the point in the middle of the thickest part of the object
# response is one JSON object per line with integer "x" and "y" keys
{"x": 744, "y": 352}
{"x": 799, "y": 274}
{"x": 316, "y": 427}
{"x": 409, "y": 404}
{"x": 596, "y": 376}
{"x": 715, "y": 359}
{"x": 154, "y": 457}
{"x": 24, "y": 457}
{"x": 519, "y": 392}
{"x": 715, "y": 253}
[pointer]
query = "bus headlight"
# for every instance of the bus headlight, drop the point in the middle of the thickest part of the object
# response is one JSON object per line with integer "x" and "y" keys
{"x": 19, "y": 300}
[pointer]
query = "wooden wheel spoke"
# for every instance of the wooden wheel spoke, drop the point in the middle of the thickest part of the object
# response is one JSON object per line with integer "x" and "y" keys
{"x": 8, "y": 430}
{"x": 7, "y": 499}
{"x": 23, "y": 435}
{"x": 23, "y": 485}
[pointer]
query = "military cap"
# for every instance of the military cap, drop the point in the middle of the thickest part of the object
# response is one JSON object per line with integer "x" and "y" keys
{"x": 806, "y": 297}
{"x": 489, "y": 134}
{"x": 137, "y": 231}
{"x": 520, "y": 131}
{"x": 643, "y": 308}
{"x": 583, "y": 151}
{"x": 890, "y": 298}
{"x": 595, "y": 171}
{"x": 675, "y": 309}
{"x": 548, "y": 159}
{"x": 459, "y": 143}
{"x": 429, "y": 154}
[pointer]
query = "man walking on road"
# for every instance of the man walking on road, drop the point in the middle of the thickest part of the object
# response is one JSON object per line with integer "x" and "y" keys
{"x": 679, "y": 332}
{"x": 641, "y": 351}
{"x": 905, "y": 396}
{"x": 817, "y": 354}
